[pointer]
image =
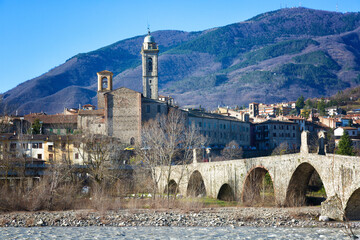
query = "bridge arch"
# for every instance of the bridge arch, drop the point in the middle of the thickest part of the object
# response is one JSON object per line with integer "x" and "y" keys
{"x": 258, "y": 180}
{"x": 352, "y": 209}
{"x": 299, "y": 186}
{"x": 226, "y": 193}
{"x": 172, "y": 186}
{"x": 196, "y": 185}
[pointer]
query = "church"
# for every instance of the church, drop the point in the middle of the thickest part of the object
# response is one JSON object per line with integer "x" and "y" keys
{"x": 122, "y": 111}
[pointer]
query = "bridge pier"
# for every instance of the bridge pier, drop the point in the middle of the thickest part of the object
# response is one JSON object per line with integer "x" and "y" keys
{"x": 333, "y": 208}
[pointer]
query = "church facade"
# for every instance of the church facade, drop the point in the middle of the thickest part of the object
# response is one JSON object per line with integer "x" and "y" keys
{"x": 121, "y": 112}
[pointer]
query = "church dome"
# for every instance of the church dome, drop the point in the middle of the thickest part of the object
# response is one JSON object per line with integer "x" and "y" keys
{"x": 149, "y": 39}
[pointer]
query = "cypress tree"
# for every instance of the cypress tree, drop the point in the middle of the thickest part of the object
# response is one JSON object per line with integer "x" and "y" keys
{"x": 345, "y": 145}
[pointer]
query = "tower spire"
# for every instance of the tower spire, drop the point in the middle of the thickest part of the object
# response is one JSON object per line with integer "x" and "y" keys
{"x": 149, "y": 53}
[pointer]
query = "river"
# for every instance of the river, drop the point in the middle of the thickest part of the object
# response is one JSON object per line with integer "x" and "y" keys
{"x": 170, "y": 233}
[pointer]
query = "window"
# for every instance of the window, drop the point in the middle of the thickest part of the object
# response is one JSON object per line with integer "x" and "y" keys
{"x": 63, "y": 146}
{"x": 51, "y": 157}
{"x": 287, "y": 127}
{"x": 50, "y": 148}
{"x": 274, "y": 134}
{"x": 76, "y": 155}
{"x": 104, "y": 82}
{"x": 159, "y": 108}
{"x": 63, "y": 156}
{"x": 204, "y": 124}
{"x": 132, "y": 141}
{"x": 39, "y": 156}
{"x": 274, "y": 126}
{"x": 199, "y": 124}
{"x": 293, "y": 127}
{"x": 150, "y": 64}
{"x": 293, "y": 134}
{"x": 12, "y": 146}
{"x": 148, "y": 108}
{"x": 36, "y": 145}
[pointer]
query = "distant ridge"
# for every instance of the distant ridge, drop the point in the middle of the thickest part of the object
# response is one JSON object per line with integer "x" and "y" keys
{"x": 275, "y": 56}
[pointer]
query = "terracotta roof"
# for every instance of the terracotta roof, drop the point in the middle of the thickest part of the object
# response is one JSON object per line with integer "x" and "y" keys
{"x": 48, "y": 119}
{"x": 276, "y": 122}
{"x": 295, "y": 118}
{"x": 89, "y": 105}
{"x": 348, "y": 128}
{"x": 91, "y": 112}
{"x": 11, "y": 136}
{"x": 105, "y": 72}
{"x": 197, "y": 113}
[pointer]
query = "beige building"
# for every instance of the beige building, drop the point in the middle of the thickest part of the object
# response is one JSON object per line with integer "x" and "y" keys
{"x": 220, "y": 129}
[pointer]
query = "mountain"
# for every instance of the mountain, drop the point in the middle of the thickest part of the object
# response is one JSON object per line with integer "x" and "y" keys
{"x": 272, "y": 57}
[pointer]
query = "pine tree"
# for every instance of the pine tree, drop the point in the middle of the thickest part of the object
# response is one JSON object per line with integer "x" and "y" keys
{"x": 36, "y": 127}
{"x": 345, "y": 145}
{"x": 300, "y": 102}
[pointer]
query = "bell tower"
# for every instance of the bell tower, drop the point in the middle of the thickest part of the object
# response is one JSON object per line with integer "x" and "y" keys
{"x": 149, "y": 52}
{"x": 104, "y": 86}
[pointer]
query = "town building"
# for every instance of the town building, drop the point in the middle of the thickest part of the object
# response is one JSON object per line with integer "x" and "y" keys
{"x": 272, "y": 133}
{"x": 354, "y": 135}
{"x": 239, "y": 114}
{"x": 253, "y": 109}
{"x": 220, "y": 129}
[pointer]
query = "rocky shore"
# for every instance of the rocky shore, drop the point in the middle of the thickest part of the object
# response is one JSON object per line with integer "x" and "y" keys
{"x": 209, "y": 217}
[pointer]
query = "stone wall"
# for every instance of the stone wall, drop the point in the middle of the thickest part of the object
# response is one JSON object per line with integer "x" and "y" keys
{"x": 151, "y": 108}
{"x": 123, "y": 114}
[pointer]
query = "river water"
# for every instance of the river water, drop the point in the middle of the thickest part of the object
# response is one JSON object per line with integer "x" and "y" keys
{"x": 170, "y": 233}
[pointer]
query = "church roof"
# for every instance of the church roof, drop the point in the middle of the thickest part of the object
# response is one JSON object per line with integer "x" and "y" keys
{"x": 149, "y": 38}
{"x": 105, "y": 72}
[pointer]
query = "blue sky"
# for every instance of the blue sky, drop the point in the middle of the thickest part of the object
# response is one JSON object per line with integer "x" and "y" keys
{"x": 38, "y": 35}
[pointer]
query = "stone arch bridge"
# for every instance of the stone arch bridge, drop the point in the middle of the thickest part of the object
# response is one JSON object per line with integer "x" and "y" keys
{"x": 290, "y": 174}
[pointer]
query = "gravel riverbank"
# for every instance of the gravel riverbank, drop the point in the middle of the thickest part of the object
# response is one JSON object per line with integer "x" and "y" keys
{"x": 209, "y": 217}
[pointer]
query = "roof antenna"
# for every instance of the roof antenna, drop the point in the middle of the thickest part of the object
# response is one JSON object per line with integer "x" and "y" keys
{"x": 148, "y": 27}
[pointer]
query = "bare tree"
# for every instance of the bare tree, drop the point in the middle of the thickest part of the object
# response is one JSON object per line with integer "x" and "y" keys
{"x": 283, "y": 148}
{"x": 101, "y": 154}
{"x": 168, "y": 141}
{"x": 232, "y": 151}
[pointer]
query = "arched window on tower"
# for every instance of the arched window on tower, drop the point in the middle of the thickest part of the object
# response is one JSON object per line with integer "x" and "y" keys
{"x": 150, "y": 64}
{"x": 104, "y": 83}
